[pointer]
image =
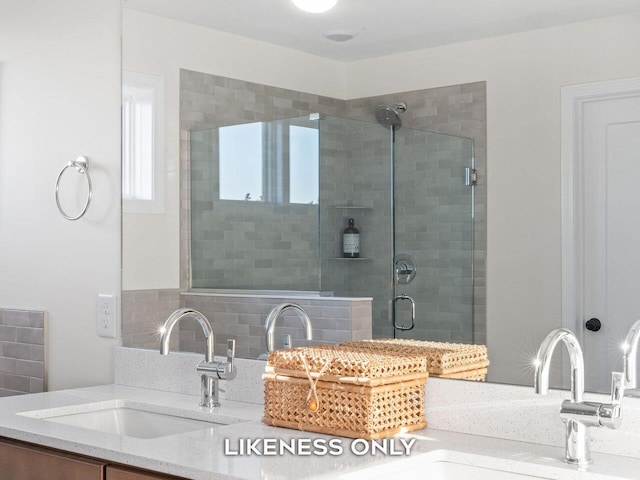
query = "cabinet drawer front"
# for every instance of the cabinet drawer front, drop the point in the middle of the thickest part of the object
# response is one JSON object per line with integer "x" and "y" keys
{"x": 25, "y": 462}
{"x": 125, "y": 473}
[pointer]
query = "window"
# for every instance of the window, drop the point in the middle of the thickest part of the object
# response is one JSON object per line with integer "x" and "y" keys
{"x": 270, "y": 162}
{"x": 304, "y": 167}
{"x": 142, "y": 143}
{"x": 240, "y": 154}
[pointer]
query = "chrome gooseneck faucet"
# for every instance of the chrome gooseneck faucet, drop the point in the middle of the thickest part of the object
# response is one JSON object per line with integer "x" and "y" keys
{"x": 210, "y": 371}
{"x": 270, "y": 323}
{"x": 577, "y": 414}
{"x": 630, "y": 349}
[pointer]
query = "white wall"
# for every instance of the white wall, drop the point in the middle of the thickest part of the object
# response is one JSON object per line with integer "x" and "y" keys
{"x": 59, "y": 98}
{"x": 160, "y": 46}
{"x": 524, "y": 73}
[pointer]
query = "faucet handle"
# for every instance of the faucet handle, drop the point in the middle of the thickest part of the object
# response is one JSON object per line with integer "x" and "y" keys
{"x": 617, "y": 387}
{"x": 231, "y": 352}
{"x": 610, "y": 414}
{"x": 229, "y": 369}
{"x": 219, "y": 370}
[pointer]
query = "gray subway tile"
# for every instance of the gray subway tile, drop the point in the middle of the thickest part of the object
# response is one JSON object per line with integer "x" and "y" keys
{"x": 18, "y": 318}
{"x": 30, "y": 335}
{"x": 16, "y": 350}
{"x": 8, "y": 365}
{"x": 16, "y": 382}
{"x": 8, "y": 333}
{"x": 29, "y": 368}
{"x": 36, "y": 385}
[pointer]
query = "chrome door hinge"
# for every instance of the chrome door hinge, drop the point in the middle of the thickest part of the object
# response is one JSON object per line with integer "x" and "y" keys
{"x": 470, "y": 177}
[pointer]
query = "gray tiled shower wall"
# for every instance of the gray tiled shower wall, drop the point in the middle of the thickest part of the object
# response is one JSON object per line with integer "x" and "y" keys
{"x": 21, "y": 351}
{"x": 434, "y": 227}
{"x": 247, "y": 244}
{"x": 241, "y": 317}
{"x": 360, "y": 176}
{"x": 211, "y": 101}
{"x": 452, "y": 110}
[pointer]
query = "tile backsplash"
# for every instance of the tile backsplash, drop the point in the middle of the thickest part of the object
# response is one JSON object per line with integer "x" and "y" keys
{"x": 143, "y": 312}
{"x": 241, "y": 317}
{"x": 22, "y": 343}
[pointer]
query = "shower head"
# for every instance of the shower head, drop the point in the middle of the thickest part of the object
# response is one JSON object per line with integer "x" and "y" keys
{"x": 390, "y": 116}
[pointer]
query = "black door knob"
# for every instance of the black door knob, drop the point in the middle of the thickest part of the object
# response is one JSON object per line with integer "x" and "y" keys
{"x": 593, "y": 324}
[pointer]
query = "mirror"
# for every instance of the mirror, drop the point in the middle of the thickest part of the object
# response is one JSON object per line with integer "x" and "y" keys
{"x": 523, "y": 267}
{"x": 276, "y": 244}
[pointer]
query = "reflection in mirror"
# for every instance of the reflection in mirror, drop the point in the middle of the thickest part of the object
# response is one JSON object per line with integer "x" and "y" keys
{"x": 273, "y": 244}
{"x": 142, "y": 143}
{"x": 260, "y": 238}
{"x": 285, "y": 172}
{"x": 238, "y": 86}
{"x": 248, "y": 223}
{"x": 254, "y": 206}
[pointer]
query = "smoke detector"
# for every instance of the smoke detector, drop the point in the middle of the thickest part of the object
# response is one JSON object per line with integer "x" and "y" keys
{"x": 339, "y": 35}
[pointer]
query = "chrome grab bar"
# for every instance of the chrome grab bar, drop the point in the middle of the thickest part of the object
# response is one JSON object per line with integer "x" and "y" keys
{"x": 413, "y": 312}
{"x": 82, "y": 165}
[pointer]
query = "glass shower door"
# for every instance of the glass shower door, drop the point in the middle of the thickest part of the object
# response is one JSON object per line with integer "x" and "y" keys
{"x": 433, "y": 243}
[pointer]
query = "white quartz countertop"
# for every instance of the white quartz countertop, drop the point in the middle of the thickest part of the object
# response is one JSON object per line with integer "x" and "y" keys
{"x": 201, "y": 454}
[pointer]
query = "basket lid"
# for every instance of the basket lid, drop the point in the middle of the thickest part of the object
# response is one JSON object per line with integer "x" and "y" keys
{"x": 441, "y": 356}
{"x": 344, "y": 361}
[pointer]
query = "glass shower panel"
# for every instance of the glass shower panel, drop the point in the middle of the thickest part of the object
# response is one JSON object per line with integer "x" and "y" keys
{"x": 355, "y": 182}
{"x": 254, "y": 213}
{"x": 434, "y": 228}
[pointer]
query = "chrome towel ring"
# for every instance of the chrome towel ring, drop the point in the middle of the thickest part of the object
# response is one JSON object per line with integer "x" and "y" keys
{"x": 82, "y": 166}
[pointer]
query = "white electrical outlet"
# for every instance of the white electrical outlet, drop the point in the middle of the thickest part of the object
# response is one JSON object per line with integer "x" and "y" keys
{"x": 106, "y": 316}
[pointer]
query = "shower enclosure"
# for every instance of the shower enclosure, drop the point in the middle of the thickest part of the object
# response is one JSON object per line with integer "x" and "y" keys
{"x": 269, "y": 202}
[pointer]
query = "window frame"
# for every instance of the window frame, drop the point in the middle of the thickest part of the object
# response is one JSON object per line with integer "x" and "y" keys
{"x": 155, "y": 84}
{"x": 276, "y": 164}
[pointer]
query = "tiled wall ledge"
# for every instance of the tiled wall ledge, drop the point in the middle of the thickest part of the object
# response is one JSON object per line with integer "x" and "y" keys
{"x": 486, "y": 409}
{"x": 22, "y": 334}
{"x": 241, "y": 316}
{"x": 143, "y": 312}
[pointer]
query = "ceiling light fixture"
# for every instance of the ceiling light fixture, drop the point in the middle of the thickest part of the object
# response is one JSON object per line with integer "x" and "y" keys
{"x": 315, "y": 6}
{"x": 339, "y": 35}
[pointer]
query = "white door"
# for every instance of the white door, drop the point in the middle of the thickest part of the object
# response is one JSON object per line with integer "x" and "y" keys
{"x": 610, "y": 210}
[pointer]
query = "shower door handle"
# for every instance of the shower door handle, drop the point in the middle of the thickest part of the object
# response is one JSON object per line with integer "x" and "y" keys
{"x": 413, "y": 312}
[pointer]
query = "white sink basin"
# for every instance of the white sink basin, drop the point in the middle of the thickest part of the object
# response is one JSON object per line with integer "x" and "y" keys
{"x": 131, "y": 422}
{"x": 443, "y": 465}
{"x": 125, "y": 418}
{"x": 446, "y": 470}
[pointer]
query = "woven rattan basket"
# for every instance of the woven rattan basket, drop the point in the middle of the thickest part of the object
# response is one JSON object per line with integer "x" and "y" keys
{"x": 341, "y": 391}
{"x": 448, "y": 360}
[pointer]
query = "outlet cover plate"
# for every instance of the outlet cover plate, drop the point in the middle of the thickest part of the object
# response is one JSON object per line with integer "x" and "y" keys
{"x": 106, "y": 316}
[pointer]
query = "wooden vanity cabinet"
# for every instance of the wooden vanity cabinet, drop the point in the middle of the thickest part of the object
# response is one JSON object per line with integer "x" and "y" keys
{"x": 24, "y": 461}
{"x": 115, "y": 472}
{"x": 21, "y": 461}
